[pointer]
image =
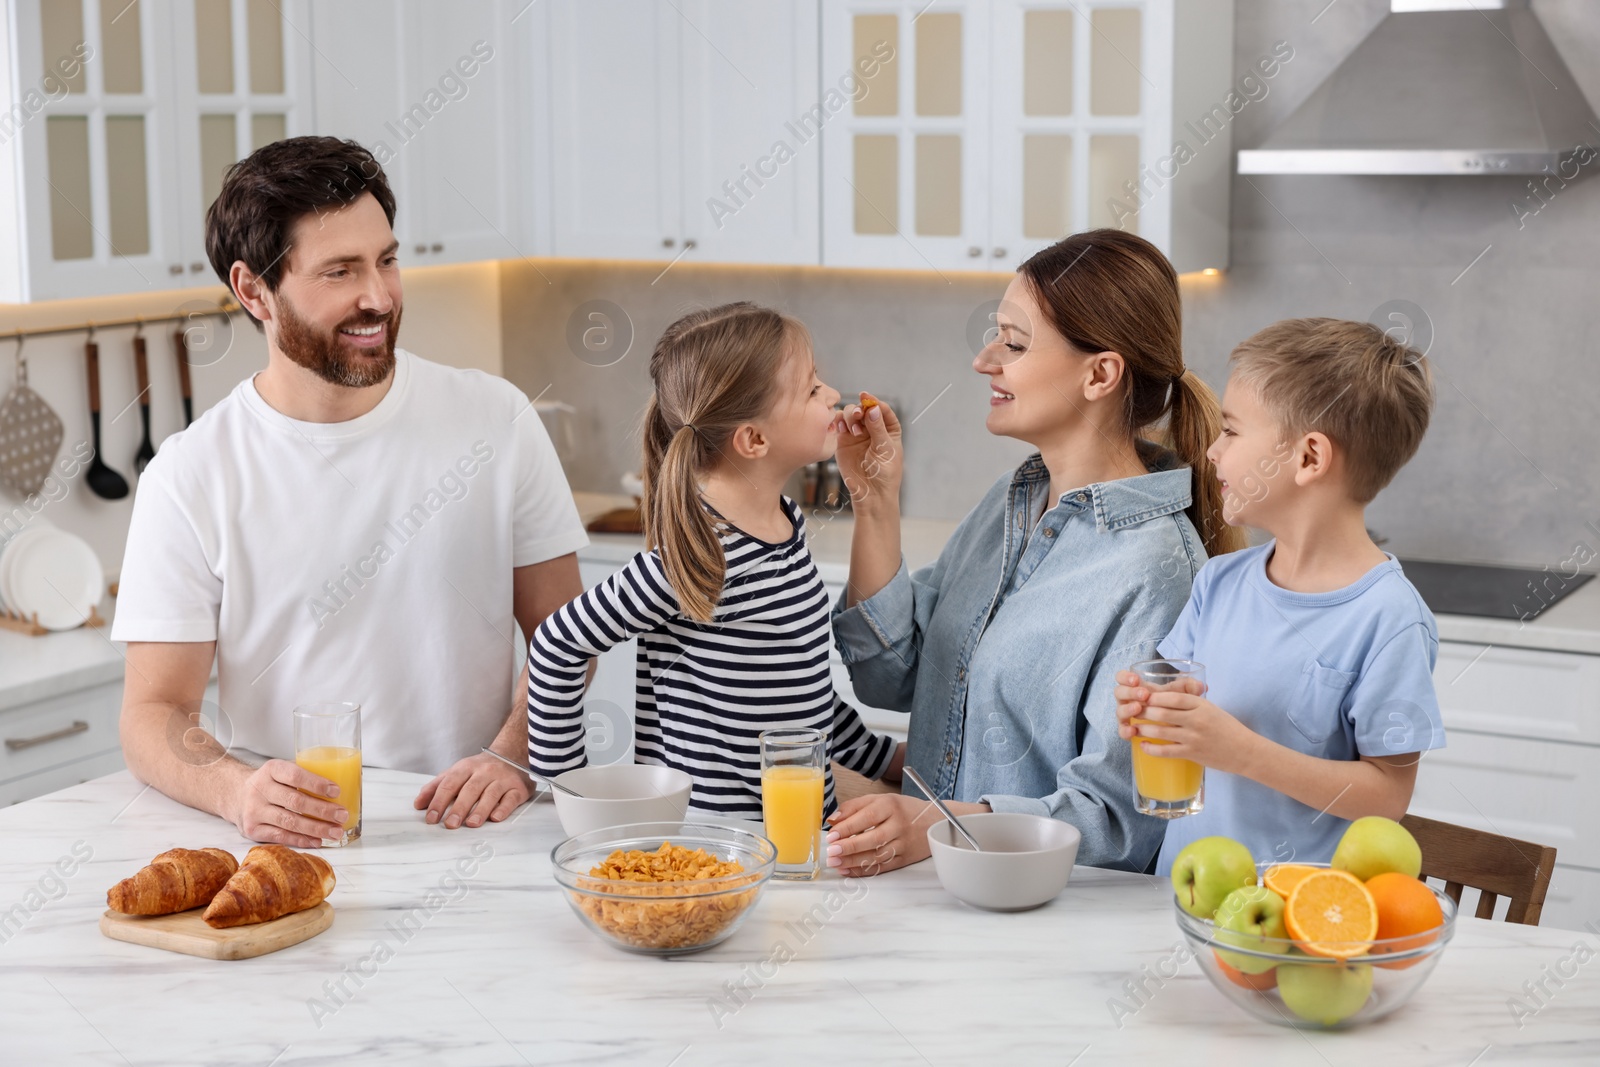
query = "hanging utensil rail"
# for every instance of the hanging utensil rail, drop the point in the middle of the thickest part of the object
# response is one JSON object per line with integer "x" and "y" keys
{"x": 222, "y": 310}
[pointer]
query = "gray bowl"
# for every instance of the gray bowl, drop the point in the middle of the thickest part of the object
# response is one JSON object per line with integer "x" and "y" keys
{"x": 617, "y": 794}
{"x": 1026, "y": 861}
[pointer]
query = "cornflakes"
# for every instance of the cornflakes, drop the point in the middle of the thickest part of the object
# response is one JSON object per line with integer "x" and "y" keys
{"x": 669, "y": 872}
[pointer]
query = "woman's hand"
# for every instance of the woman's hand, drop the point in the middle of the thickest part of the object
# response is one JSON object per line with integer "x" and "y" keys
{"x": 879, "y": 832}
{"x": 1197, "y": 729}
{"x": 870, "y": 457}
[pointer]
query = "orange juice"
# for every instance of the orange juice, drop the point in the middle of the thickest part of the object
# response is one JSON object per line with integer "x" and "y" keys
{"x": 791, "y": 806}
{"x": 1164, "y": 779}
{"x": 342, "y": 767}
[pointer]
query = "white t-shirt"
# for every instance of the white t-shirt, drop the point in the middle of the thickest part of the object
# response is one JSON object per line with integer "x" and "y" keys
{"x": 367, "y": 561}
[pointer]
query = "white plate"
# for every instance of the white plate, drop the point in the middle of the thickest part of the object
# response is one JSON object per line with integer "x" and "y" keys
{"x": 54, "y": 574}
{"x": 24, "y": 534}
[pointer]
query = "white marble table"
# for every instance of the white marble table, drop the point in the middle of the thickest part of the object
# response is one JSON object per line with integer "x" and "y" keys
{"x": 500, "y": 972}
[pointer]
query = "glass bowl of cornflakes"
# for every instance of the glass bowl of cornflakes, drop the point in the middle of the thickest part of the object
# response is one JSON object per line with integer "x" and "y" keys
{"x": 664, "y": 888}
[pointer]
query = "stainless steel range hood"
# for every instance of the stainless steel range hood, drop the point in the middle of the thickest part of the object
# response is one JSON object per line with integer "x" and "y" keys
{"x": 1440, "y": 87}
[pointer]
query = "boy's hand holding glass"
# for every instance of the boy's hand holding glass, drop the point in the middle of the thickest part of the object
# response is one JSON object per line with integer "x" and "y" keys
{"x": 1197, "y": 729}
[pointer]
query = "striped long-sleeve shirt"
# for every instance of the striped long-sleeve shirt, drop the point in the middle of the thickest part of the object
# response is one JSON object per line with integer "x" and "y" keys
{"x": 705, "y": 690}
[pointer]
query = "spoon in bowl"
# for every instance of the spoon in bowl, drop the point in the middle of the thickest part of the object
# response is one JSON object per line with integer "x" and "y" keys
{"x": 916, "y": 780}
{"x": 541, "y": 779}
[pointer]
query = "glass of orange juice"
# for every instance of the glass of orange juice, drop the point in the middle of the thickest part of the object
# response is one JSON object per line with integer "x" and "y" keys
{"x": 327, "y": 742}
{"x": 1168, "y": 788}
{"x": 793, "y": 765}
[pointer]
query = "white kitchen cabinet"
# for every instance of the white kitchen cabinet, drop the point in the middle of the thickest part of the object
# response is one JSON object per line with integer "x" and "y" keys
{"x": 89, "y": 177}
{"x": 122, "y": 119}
{"x": 1522, "y": 740}
{"x": 680, "y": 130}
{"x": 989, "y": 130}
{"x": 1519, "y": 692}
{"x": 437, "y": 93}
{"x": 1573, "y": 898}
{"x": 54, "y": 743}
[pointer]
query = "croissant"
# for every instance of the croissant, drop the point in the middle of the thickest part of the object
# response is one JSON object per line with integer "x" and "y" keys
{"x": 176, "y": 880}
{"x": 273, "y": 881}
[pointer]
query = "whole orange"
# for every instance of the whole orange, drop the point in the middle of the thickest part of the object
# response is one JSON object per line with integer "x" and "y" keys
{"x": 1249, "y": 981}
{"x": 1407, "y": 909}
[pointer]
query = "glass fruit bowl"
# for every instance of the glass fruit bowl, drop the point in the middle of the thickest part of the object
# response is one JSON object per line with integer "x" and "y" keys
{"x": 634, "y": 911}
{"x": 1339, "y": 986}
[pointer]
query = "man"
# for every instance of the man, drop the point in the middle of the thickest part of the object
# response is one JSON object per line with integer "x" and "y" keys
{"x": 351, "y": 524}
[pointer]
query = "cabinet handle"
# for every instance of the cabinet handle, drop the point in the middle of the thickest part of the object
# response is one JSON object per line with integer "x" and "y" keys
{"x": 999, "y": 253}
{"x": 176, "y": 268}
{"x": 437, "y": 247}
{"x": 78, "y": 727}
{"x": 667, "y": 242}
{"x": 691, "y": 243}
{"x": 974, "y": 251}
{"x": 196, "y": 268}
{"x": 422, "y": 250}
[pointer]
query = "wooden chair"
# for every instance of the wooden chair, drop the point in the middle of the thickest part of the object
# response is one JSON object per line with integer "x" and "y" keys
{"x": 1495, "y": 866}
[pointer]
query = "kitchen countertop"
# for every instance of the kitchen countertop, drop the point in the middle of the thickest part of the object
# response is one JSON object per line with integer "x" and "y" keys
{"x": 497, "y": 970}
{"x": 37, "y": 668}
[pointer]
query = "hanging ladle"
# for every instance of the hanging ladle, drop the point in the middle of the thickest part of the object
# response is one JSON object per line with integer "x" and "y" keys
{"x": 103, "y": 481}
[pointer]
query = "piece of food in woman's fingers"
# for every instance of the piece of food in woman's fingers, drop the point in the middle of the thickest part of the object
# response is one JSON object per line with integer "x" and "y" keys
{"x": 868, "y": 401}
{"x": 176, "y": 880}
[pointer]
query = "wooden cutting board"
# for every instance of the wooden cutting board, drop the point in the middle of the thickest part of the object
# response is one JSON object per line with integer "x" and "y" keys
{"x": 186, "y": 932}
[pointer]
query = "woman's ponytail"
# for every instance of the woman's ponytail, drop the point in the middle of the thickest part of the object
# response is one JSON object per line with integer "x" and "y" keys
{"x": 1194, "y": 422}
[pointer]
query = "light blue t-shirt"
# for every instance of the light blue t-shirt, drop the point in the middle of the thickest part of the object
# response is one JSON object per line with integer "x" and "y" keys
{"x": 1335, "y": 675}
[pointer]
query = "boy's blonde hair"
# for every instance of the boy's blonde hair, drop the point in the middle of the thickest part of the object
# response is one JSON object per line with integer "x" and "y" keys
{"x": 1368, "y": 392}
{"x": 714, "y": 370}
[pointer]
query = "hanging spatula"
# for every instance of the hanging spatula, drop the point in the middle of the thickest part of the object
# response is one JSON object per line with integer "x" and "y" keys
{"x": 147, "y": 452}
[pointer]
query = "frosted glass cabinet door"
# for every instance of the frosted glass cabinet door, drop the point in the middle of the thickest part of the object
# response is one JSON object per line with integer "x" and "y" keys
{"x": 96, "y": 211}
{"x": 1073, "y": 107}
{"x": 751, "y": 149}
{"x": 905, "y": 178}
{"x": 242, "y": 79}
{"x": 615, "y": 129}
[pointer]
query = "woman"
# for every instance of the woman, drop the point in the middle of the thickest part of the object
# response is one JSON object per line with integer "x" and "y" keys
{"x": 1072, "y": 567}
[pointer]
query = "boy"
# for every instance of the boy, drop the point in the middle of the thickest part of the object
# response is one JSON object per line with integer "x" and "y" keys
{"x": 1315, "y": 644}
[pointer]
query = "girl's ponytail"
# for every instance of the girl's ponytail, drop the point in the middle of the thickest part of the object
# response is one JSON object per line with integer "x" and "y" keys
{"x": 1193, "y": 423}
{"x": 714, "y": 371}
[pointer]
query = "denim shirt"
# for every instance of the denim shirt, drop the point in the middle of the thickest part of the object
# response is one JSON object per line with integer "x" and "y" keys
{"x": 1004, "y": 651}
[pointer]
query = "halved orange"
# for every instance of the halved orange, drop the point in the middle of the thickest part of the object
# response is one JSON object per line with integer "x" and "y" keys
{"x": 1281, "y": 878}
{"x": 1330, "y": 913}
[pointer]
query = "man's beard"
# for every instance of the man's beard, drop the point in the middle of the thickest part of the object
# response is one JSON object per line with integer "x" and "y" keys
{"x": 332, "y": 358}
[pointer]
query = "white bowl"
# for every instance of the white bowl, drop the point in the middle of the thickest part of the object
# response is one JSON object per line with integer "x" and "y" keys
{"x": 620, "y": 793}
{"x": 1025, "y": 862}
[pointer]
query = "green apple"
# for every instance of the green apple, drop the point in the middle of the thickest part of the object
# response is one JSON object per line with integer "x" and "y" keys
{"x": 1325, "y": 993}
{"x": 1373, "y": 845}
{"x": 1251, "y": 917}
{"x": 1207, "y": 870}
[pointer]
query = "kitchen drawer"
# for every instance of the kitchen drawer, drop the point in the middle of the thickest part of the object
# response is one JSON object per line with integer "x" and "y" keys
{"x": 1573, "y": 899}
{"x": 1533, "y": 790}
{"x": 78, "y": 724}
{"x": 75, "y": 773}
{"x": 1519, "y": 692}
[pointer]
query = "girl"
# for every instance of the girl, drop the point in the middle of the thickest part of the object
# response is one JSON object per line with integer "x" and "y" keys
{"x": 730, "y": 612}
